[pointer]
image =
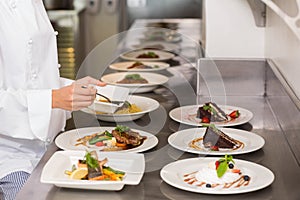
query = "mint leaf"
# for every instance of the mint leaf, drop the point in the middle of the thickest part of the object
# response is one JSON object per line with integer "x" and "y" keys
{"x": 222, "y": 169}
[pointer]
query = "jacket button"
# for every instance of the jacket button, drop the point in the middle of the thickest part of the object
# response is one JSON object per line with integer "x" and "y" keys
{"x": 34, "y": 76}
{"x": 30, "y": 41}
{"x": 13, "y": 4}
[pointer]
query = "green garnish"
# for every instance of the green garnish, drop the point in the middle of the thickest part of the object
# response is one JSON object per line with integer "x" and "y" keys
{"x": 223, "y": 165}
{"x": 151, "y": 54}
{"x": 133, "y": 76}
{"x": 122, "y": 128}
{"x": 90, "y": 161}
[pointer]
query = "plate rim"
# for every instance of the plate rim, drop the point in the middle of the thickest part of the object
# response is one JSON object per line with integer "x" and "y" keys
{"x": 217, "y": 153}
{"x": 164, "y": 177}
{"x": 171, "y": 115}
{"x": 133, "y": 150}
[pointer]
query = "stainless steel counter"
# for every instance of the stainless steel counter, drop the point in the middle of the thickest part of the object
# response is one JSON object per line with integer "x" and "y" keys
{"x": 248, "y": 84}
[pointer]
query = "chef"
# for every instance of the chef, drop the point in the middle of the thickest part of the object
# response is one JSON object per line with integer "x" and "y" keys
{"x": 34, "y": 101}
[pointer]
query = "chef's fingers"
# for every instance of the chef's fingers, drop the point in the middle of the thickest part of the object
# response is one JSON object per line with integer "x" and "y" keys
{"x": 82, "y": 89}
{"x": 89, "y": 80}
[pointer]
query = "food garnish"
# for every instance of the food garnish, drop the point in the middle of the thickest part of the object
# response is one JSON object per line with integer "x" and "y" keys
{"x": 149, "y": 54}
{"x": 223, "y": 165}
{"x": 234, "y": 114}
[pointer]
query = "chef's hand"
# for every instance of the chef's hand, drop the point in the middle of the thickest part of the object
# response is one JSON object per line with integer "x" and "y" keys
{"x": 77, "y": 95}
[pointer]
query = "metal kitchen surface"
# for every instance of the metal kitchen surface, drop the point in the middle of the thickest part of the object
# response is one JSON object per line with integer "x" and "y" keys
{"x": 248, "y": 84}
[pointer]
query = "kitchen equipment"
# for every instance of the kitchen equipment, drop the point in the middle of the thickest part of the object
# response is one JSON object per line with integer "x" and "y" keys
{"x": 58, "y": 4}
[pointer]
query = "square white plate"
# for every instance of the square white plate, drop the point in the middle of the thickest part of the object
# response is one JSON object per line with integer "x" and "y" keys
{"x": 132, "y": 164}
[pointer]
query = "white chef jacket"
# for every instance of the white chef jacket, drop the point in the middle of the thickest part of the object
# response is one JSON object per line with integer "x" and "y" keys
{"x": 28, "y": 73}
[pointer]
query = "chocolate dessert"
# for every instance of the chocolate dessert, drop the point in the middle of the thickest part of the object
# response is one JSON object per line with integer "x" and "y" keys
{"x": 211, "y": 112}
{"x": 215, "y": 137}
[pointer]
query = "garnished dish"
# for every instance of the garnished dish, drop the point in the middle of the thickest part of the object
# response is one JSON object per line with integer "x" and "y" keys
{"x": 104, "y": 139}
{"x": 93, "y": 170}
{"x": 149, "y": 54}
{"x": 210, "y": 112}
{"x": 216, "y": 141}
{"x": 139, "y": 66}
{"x": 133, "y": 79}
{"x": 90, "y": 168}
{"x": 221, "y": 173}
{"x": 136, "y": 82}
{"x": 121, "y": 138}
{"x": 219, "y": 115}
{"x": 145, "y": 104}
{"x": 211, "y": 175}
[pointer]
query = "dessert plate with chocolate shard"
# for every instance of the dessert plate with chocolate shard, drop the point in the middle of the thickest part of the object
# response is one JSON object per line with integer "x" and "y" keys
{"x": 220, "y": 115}
{"x": 216, "y": 141}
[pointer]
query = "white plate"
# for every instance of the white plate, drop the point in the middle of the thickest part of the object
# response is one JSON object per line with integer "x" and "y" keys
{"x": 146, "y": 104}
{"x": 181, "y": 139}
{"x": 187, "y": 115}
{"x": 132, "y": 164}
{"x": 122, "y": 66}
{"x": 132, "y": 55}
{"x": 173, "y": 173}
{"x": 154, "y": 80}
{"x": 67, "y": 140}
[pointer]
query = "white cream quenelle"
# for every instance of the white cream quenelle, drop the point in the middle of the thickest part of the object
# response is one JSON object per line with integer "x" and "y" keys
{"x": 28, "y": 73}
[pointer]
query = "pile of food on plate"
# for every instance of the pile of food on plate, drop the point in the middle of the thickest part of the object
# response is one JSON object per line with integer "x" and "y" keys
{"x": 149, "y": 54}
{"x": 121, "y": 138}
{"x": 214, "y": 139}
{"x": 222, "y": 173}
{"x": 126, "y": 108}
{"x": 133, "y": 79}
{"x": 140, "y": 65}
{"x": 210, "y": 112}
{"x": 90, "y": 168}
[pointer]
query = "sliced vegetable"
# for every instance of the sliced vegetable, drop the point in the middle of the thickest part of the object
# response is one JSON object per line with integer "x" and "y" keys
{"x": 98, "y": 138}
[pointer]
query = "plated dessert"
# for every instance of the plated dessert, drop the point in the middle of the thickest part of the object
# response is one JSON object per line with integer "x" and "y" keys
{"x": 210, "y": 112}
{"x": 223, "y": 175}
{"x": 216, "y": 141}
{"x": 220, "y": 115}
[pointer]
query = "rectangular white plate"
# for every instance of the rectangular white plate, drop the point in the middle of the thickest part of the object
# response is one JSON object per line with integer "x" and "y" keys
{"x": 132, "y": 164}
